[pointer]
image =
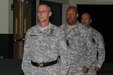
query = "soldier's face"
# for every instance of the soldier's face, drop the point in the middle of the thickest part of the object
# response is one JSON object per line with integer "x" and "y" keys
{"x": 43, "y": 13}
{"x": 71, "y": 16}
{"x": 85, "y": 19}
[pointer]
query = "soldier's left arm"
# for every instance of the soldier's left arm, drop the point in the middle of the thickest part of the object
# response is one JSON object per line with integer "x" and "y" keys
{"x": 100, "y": 50}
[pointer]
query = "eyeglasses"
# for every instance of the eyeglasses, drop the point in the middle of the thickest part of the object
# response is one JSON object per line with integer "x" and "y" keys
{"x": 42, "y": 11}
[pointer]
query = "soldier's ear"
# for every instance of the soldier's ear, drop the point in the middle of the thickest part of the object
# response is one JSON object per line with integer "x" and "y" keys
{"x": 50, "y": 13}
{"x": 77, "y": 15}
{"x": 90, "y": 20}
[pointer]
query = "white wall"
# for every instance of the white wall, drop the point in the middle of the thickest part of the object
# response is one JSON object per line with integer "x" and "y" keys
{"x": 64, "y": 8}
{"x": 10, "y": 13}
{"x": 4, "y": 16}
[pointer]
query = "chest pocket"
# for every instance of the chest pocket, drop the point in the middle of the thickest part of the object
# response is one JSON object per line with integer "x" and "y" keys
{"x": 76, "y": 40}
{"x": 52, "y": 38}
{"x": 77, "y": 37}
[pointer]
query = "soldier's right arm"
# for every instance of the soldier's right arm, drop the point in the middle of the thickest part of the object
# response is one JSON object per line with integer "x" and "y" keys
{"x": 26, "y": 61}
{"x": 65, "y": 56}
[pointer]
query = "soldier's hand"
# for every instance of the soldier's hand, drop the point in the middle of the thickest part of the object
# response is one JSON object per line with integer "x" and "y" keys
{"x": 96, "y": 69}
{"x": 85, "y": 69}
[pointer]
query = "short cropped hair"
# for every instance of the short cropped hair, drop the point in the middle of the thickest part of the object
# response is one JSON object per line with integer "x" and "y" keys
{"x": 73, "y": 7}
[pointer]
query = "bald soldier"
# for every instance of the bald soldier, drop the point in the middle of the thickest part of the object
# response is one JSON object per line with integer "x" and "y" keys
{"x": 79, "y": 43}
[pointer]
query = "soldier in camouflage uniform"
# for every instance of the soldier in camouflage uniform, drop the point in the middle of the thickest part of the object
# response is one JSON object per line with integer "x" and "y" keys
{"x": 79, "y": 43}
{"x": 99, "y": 42}
{"x": 45, "y": 51}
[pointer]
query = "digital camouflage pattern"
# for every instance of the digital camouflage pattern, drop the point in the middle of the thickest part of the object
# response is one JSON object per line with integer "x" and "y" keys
{"x": 100, "y": 57}
{"x": 81, "y": 47}
{"x": 45, "y": 46}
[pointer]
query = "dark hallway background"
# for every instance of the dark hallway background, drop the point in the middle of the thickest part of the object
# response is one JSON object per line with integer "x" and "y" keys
{"x": 102, "y": 16}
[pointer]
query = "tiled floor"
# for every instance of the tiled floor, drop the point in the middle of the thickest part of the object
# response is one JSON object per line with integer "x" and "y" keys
{"x": 13, "y": 67}
{"x": 10, "y": 67}
{"x": 107, "y": 69}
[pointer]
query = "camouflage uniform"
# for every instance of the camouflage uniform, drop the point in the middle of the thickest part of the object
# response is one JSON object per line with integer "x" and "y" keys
{"x": 45, "y": 46}
{"x": 99, "y": 42}
{"x": 80, "y": 44}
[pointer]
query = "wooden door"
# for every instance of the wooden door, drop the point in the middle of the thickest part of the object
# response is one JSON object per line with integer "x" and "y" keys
{"x": 22, "y": 21}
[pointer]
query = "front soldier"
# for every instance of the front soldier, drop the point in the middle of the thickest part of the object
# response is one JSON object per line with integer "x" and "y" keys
{"x": 45, "y": 51}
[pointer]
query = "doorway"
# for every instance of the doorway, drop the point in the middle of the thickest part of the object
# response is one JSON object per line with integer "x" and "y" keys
{"x": 24, "y": 12}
